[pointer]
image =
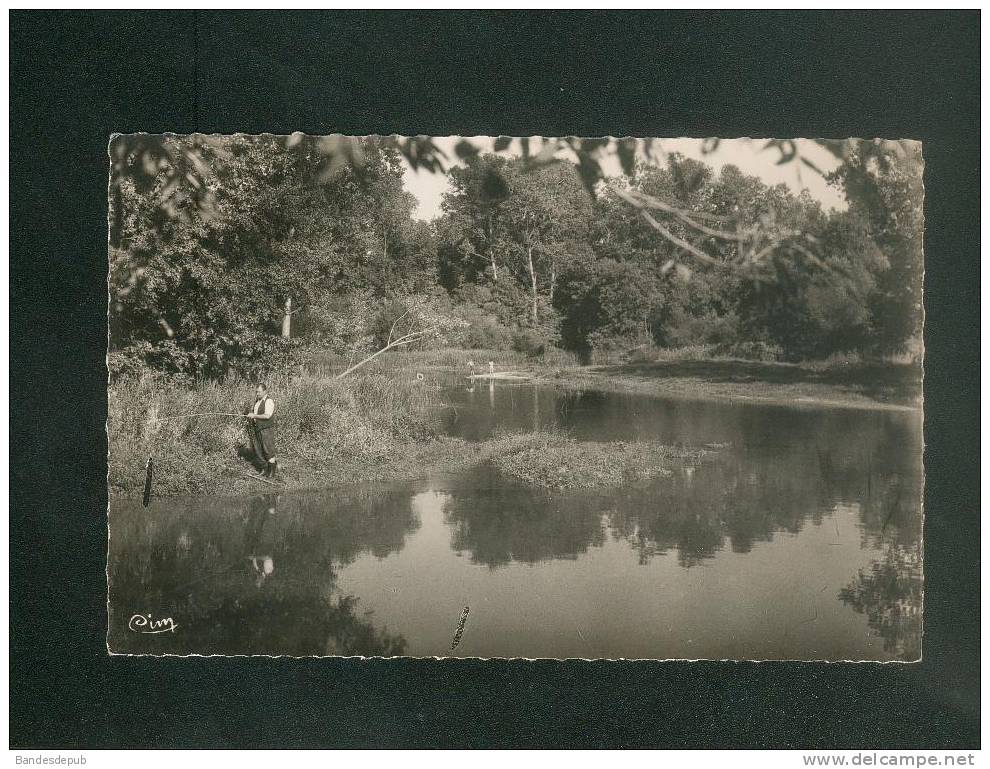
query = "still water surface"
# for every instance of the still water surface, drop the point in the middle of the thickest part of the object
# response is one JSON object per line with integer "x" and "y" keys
{"x": 800, "y": 540}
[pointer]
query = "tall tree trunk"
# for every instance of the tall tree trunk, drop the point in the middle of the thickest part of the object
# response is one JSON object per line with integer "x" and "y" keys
{"x": 491, "y": 248}
{"x": 553, "y": 280}
{"x": 287, "y": 319}
{"x": 532, "y": 280}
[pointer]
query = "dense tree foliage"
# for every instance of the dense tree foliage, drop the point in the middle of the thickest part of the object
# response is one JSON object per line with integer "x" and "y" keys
{"x": 886, "y": 189}
{"x": 521, "y": 226}
{"x": 199, "y": 291}
{"x": 235, "y": 251}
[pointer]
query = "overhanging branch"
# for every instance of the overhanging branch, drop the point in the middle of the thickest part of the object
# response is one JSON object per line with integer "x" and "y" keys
{"x": 406, "y": 339}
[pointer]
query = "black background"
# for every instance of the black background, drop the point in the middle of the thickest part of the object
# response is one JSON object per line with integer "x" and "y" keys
{"x": 75, "y": 78}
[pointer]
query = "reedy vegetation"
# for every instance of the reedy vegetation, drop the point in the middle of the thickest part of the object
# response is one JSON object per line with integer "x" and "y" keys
{"x": 334, "y": 431}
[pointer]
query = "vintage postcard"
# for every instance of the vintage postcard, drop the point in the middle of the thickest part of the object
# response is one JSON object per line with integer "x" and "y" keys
{"x": 515, "y": 397}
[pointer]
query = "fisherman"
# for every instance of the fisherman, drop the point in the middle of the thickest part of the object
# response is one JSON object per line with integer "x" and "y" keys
{"x": 262, "y": 416}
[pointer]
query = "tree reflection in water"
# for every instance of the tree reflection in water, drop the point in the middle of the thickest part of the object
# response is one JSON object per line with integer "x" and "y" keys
{"x": 260, "y": 579}
{"x": 699, "y": 511}
{"x": 784, "y": 469}
{"x": 889, "y": 593}
{"x": 731, "y": 501}
{"x": 738, "y": 500}
{"x": 498, "y": 521}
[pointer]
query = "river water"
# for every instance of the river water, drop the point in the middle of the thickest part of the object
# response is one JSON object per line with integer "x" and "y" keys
{"x": 799, "y": 539}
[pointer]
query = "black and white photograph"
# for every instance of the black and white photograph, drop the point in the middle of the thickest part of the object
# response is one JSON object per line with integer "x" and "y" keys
{"x": 494, "y": 379}
{"x": 570, "y": 397}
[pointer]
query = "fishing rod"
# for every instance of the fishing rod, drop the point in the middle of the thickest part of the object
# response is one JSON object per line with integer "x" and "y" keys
{"x": 149, "y": 467}
{"x": 205, "y": 414}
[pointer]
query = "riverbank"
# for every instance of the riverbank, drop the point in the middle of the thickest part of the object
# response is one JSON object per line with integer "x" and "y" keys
{"x": 386, "y": 424}
{"x": 860, "y": 386}
{"x": 333, "y": 433}
{"x": 837, "y": 383}
{"x": 368, "y": 427}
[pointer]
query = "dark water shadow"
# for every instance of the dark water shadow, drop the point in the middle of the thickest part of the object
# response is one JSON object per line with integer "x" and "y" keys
{"x": 254, "y": 576}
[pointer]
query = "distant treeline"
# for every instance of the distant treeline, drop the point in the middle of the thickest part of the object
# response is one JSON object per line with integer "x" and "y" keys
{"x": 293, "y": 254}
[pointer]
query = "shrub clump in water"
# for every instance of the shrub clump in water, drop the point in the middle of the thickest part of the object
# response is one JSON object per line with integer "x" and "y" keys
{"x": 557, "y": 461}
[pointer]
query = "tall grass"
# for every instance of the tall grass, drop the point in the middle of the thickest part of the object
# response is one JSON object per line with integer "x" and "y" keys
{"x": 363, "y": 418}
